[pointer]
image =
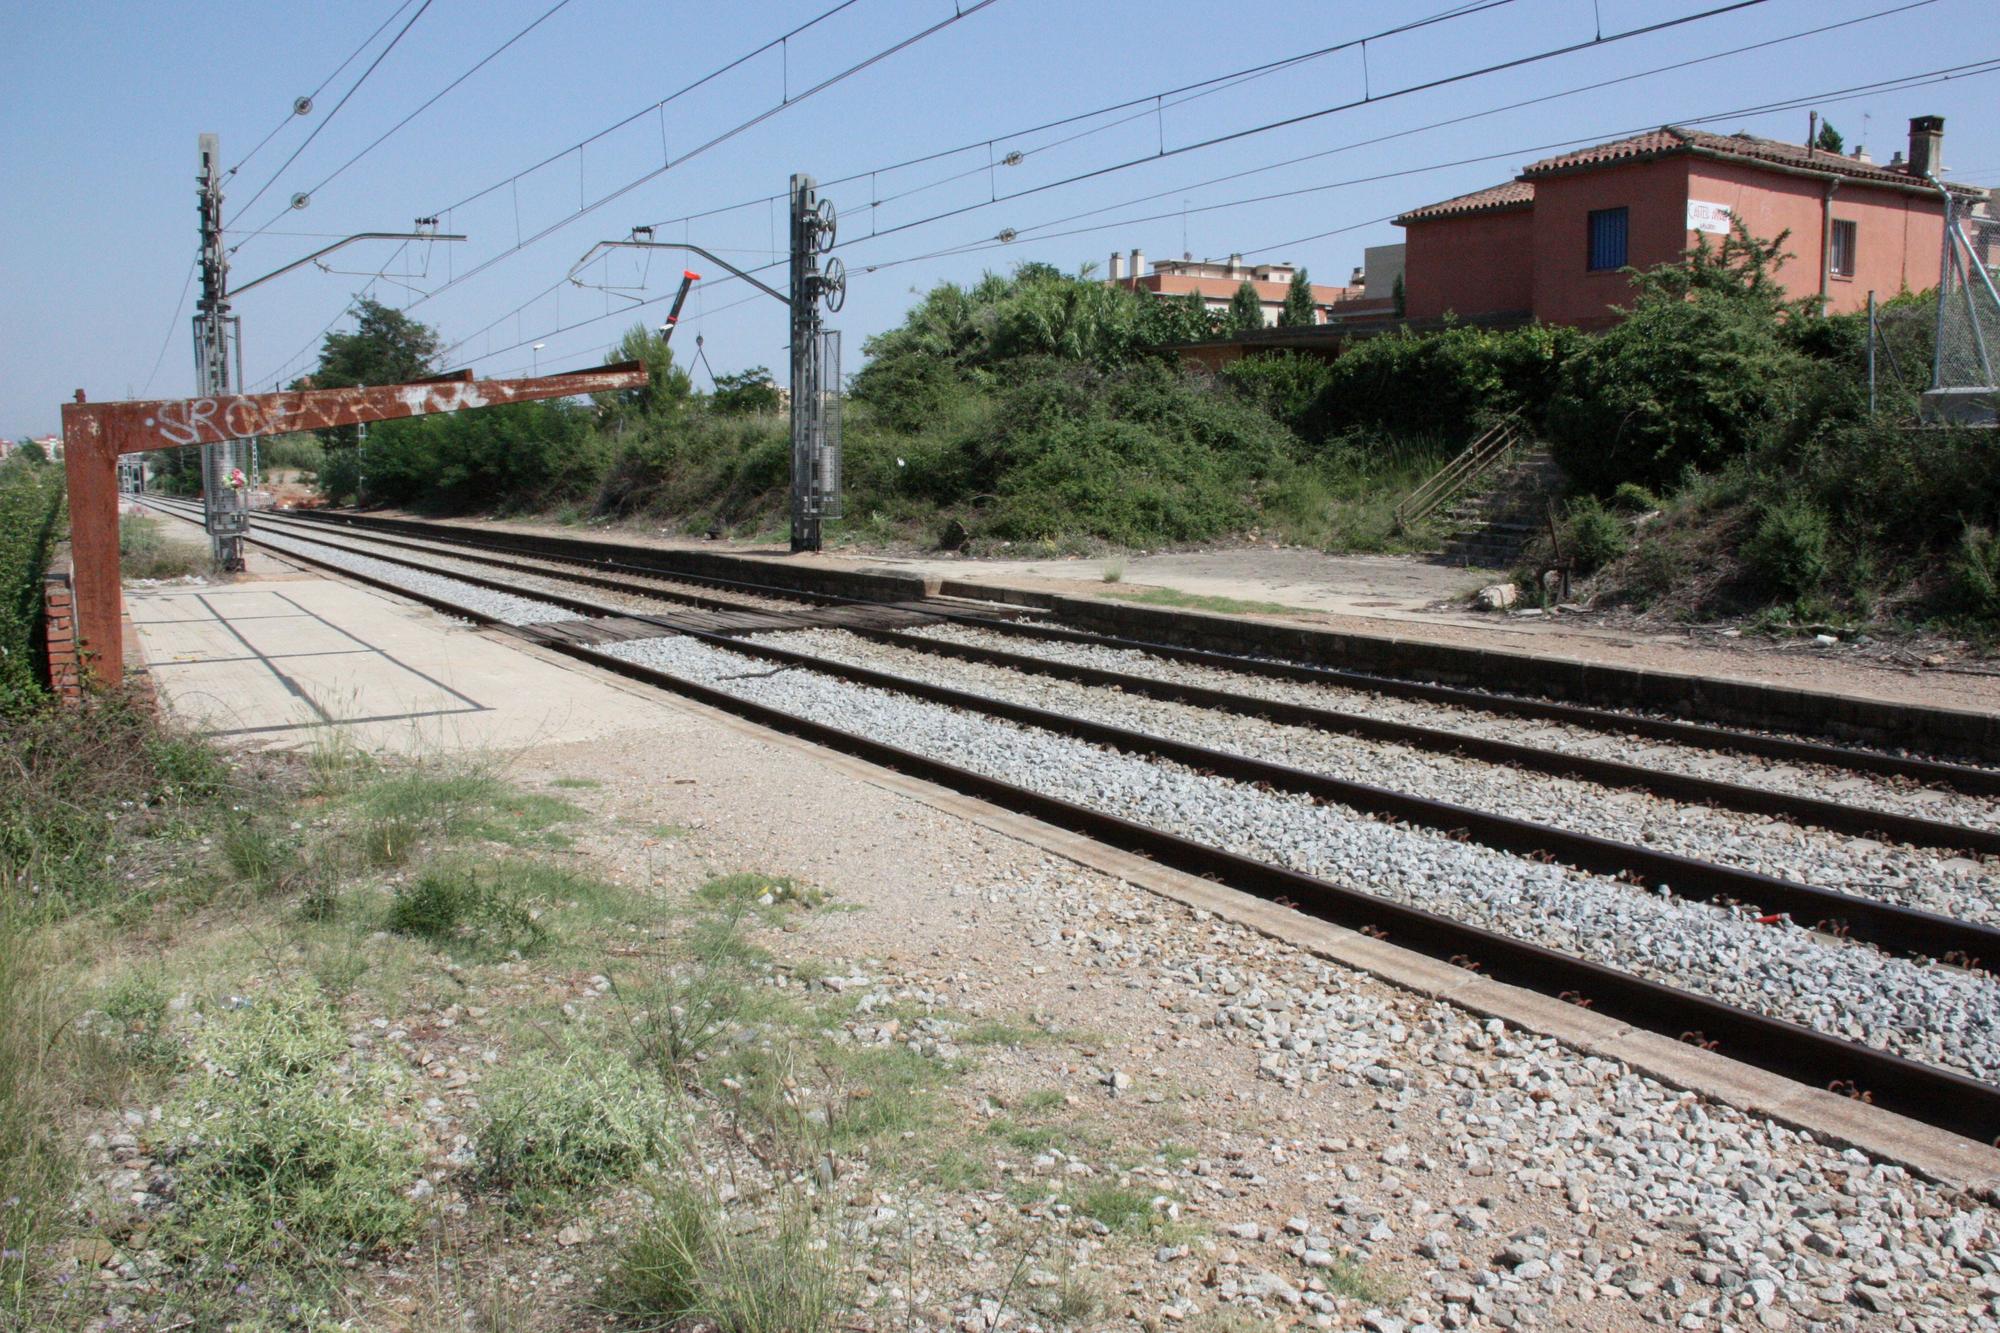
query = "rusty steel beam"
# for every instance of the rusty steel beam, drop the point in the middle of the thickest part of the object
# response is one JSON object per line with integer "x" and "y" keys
{"x": 96, "y": 434}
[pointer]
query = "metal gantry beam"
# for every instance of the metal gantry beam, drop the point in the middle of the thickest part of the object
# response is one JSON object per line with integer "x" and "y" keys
{"x": 97, "y": 435}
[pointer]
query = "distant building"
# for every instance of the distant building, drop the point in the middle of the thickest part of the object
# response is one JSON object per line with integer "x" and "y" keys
{"x": 1552, "y": 243}
{"x": 1216, "y": 282}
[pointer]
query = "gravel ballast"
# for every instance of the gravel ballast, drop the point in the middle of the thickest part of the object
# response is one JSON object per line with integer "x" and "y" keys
{"x": 504, "y": 607}
{"x": 1859, "y": 789}
{"x": 1936, "y": 1014}
{"x": 1918, "y": 877}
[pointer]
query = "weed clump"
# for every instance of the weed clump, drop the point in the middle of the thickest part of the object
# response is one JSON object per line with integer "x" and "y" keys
{"x": 555, "y": 1121}
{"x": 481, "y": 909}
{"x": 691, "y": 1261}
{"x": 282, "y": 1148}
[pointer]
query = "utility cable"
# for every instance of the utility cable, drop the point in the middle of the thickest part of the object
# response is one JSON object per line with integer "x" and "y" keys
{"x": 172, "y": 324}
{"x": 434, "y": 98}
{"x": 1145, "y": 102}
{"x": 960, "y": 13}
{"x": 294, "y": 114}
{"x": 352, "y": 89}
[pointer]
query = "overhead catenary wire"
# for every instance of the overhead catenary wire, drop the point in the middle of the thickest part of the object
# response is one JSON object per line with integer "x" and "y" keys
{"x": 958, "y": 15}
{"x": 344, "y": 99}
{"x": 1148, "y": 100}
{"x": 960, "y": 12}
{"x": 1457, "y": 12}
{"x": 1822, "y": 98}
{"x": 293, "y": 114}
{"x": 1367, "y": 99}
{"x": 426, "y": 105}
{"x": 1598, "y": 85}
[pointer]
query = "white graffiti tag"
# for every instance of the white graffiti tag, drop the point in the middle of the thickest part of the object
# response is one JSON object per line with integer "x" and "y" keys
{"x": 206, "y": 420}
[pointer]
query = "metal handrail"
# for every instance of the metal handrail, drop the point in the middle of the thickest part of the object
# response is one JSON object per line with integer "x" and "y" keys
{"x": 1451, "y": 480}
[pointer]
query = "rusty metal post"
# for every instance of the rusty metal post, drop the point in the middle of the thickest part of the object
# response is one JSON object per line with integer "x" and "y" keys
{"x": 95, "y": 435}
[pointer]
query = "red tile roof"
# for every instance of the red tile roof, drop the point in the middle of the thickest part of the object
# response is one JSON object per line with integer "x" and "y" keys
{"x": 1512, "y": 194}
{"x": 1670, "y": 139}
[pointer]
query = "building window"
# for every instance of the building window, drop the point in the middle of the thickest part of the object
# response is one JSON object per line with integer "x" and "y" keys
{"x": 1607, "y": 238}
{"x": 1841, "y": 262}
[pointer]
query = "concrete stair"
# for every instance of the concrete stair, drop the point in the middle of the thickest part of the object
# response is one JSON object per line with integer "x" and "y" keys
{"x": 1491, "y": 526}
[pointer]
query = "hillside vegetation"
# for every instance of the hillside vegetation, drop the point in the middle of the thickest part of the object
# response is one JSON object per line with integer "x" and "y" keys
{"x": 1719, "y": 440}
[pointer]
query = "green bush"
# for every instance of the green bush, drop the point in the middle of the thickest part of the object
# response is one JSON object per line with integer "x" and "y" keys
{"x": 31, "y": 523}
{"x": 1445, "y": 384}
{"x": 1700, "y": 370}
{"x": 554, "y": 1121}
{"x": 1631, "y": 498}
{"x": 486, "y": 910}
{"x": 281, "y": 1146}
{"x": 1593, "y": 535}
{"x": 1287, "y": 386}
{"x": 1974, "y": 588}
{"x": 1787, "y": 552}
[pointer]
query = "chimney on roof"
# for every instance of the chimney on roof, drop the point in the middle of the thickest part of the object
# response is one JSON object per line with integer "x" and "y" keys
{"x": 1236, "y": 266}
{"x": 1861, "y": 155}
{"x": 1138, "y": 263}
{"x": 1926, "y": 145}
{"x": 1117, "y": 266}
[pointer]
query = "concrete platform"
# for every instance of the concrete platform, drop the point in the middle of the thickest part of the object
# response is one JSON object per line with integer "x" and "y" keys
{"x": 286, "y": 658}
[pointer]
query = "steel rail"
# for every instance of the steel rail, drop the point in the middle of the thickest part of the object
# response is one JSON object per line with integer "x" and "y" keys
{"x": 1887, "y": 925}
{"x": 1840, "y": 817}
{"x": 1934, "y": 1096}
{"x": 1968, "y": 778}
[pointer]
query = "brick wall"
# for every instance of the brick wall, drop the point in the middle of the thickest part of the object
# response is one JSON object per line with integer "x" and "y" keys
{"x": 59, "y": 630}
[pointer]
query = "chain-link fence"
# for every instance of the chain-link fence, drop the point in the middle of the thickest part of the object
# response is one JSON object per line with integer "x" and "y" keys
{"x": 1968, "y": 318}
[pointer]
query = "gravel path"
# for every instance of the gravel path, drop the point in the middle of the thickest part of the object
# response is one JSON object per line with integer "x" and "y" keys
{"x": 1918, "y": 877}
{"x": 1859, "y": 789}
{"x": 1929, "y": 1013}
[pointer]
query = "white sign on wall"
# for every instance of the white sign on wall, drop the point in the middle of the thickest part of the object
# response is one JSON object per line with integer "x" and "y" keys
{"x": 1708, "y": 217}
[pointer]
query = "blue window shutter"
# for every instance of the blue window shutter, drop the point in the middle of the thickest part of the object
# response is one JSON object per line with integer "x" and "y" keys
{"x": 1607, "y": 238}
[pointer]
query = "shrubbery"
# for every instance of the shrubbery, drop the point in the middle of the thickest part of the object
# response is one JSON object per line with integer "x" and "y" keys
{"x": 281, "y": 1147}
{"x": 554, "y": 1121}
{"x": 31, "y": 522}
{"x": 1788, "y": 551}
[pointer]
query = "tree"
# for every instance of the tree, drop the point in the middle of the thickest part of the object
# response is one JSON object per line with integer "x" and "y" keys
{"x": 1700, "y": 370}
{"x": 386, "y": 347}
{"x": 667, "y": 385}
{"x": 1300, "y": 311}
{"x": 1246, "y": 310}
{"x": 30, "y": 451}
{"x": 746, "y": 393}
{"x": 1829, "y": 140}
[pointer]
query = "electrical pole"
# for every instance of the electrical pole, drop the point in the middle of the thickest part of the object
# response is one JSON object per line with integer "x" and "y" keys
{"x": 815, "y": 367}
{"x": 224, "y": 505}
{"x": 815, "y": 350}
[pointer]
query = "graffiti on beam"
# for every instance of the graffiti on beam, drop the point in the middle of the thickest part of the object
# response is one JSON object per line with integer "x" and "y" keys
{"x": 205, "y": 420}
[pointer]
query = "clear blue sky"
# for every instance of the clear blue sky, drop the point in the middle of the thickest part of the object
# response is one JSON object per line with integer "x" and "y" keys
{"x": 103, "y": 103}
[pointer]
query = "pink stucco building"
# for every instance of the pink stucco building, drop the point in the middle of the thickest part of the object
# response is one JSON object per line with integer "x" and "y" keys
{"x": 1551, "y": 244}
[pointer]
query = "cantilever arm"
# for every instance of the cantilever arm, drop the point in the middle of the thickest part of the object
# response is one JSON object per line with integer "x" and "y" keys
{"x": 709, "y": 255}
{"x": 329, "y": 249}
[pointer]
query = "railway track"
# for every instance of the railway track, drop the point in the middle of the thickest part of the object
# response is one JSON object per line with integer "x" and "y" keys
{"x": 743, "y": 624}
